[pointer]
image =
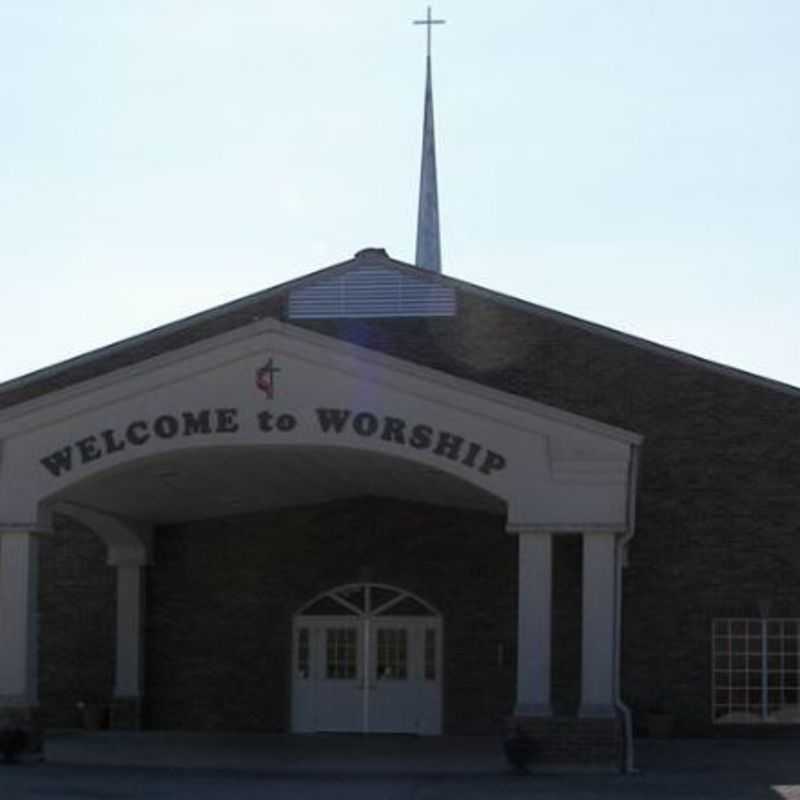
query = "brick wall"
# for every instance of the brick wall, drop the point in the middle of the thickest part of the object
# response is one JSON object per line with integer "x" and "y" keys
{"x": 222, "y": 594}
{"x": 718, "y": 525}
{"x": 718, "y": 522}
{"x": 566, "y": 632}
{"x": 567, "y": 740}
{"x": 77, "y": 613}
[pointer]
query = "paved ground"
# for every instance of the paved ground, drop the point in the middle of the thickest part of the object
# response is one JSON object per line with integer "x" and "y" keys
{"x": 392, "y": 769}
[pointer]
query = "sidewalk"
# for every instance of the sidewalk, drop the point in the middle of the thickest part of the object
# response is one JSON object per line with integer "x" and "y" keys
{"x": 664, "y": 760}
{"x": 180, "y": 766}
{"x": 281, "y": 754}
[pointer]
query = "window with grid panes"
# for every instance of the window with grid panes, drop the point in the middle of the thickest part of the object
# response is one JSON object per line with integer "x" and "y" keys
{"x": 340, "y": 653}
{"x": 430, "y": 654}
{"x": 755, "y": 670}
{"x": 303, "y": 653}
{"x": 392, "y": 662}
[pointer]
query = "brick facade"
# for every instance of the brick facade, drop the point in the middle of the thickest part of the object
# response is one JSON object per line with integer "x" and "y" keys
{"x": 77, "y": 623}
{"x": 718, "y": 512}
{"x": 214, "y": 583}
{"x": 570, "y": 740}
{"x": 222, "y": 594}
{"x": 718, "y": 527}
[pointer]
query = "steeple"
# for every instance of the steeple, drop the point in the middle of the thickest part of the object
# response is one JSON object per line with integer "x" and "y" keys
{"x": 429, "y": 251}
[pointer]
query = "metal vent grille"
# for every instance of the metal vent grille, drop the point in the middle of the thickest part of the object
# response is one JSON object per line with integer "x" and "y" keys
{"x": 372, "y": 292}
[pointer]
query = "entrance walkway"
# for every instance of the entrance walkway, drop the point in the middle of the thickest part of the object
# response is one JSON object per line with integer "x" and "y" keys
{"x": 682, "y": 764}
{"x": 206, "y": 767}
{"x": 276, "y": 754}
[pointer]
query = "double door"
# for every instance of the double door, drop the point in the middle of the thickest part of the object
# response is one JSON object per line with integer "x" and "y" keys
{"x": 370, "y": 674}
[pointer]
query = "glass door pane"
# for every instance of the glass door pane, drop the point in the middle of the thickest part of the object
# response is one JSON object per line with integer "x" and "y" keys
{"x": 341, "y": 654}
{"x": 391, "y": 662}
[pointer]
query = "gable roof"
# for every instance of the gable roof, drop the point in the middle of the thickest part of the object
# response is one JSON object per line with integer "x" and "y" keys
{"x": 268, "y": 303}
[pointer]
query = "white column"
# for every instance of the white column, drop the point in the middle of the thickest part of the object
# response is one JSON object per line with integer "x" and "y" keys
{"x": 130, "y": 645}
{"x": 19, "y": 569}
{"x": 597, "y": 662}
{"x": 534, "y": 624}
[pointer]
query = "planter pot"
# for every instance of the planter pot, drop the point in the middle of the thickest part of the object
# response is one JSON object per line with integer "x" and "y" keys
{"x": 520, "y": 750}
{"x": 13, "y": 742}
{"x": 660, "y": 726}
{"x": 94, "y": 717}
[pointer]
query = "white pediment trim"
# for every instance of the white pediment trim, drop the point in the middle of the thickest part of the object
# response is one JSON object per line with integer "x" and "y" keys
{"x": 183, "y": 363}
{"x": 543, "y": 462}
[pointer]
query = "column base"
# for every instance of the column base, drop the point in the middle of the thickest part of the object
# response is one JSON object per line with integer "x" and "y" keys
{"x": 125, "y": 714}
{"x": 27, "y": 721}
{"x": 533, "y": 710}
{"x": 598, "y": 711}
{"x": 568, "y": 741}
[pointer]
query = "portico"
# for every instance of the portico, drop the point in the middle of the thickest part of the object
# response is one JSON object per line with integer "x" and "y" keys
{"x": 193, "y": 434}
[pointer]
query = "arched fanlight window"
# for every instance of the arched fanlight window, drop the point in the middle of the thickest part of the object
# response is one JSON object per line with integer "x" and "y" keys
{"x": 368, "y": 599}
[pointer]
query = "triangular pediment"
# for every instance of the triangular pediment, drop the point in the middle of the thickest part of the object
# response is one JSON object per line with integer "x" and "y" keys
{"x": 316, "y": 418}
{"x": 371, "y": 285}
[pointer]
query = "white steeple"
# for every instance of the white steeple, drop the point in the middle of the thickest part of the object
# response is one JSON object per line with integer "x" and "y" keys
{"x": 429, "y": 250}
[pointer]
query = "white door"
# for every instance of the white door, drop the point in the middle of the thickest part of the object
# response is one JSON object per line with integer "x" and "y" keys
{"x": 404, "y": 694}
{"x": 327, "y": 690}
{"x": 365, "y": 669}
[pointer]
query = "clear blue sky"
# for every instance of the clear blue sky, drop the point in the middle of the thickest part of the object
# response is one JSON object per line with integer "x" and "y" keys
{"x": 635, "y": 163}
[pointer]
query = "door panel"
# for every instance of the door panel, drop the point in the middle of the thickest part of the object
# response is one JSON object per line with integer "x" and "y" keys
{"x": 303, "y": 685}
{"x": 429, "y": 720}
{"x": 367, "y": 673}
{"x": 392, "y": 683}
{"x": 327, "y": 685}
{"x": 339, "y": 684}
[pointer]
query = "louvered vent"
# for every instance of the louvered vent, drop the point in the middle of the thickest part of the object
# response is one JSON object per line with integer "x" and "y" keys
{"x": 372, "y": 291}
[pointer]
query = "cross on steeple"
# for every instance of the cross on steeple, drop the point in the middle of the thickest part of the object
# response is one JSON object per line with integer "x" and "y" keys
{"x": 429, "y": 250}
{"x": 429, "y": 22}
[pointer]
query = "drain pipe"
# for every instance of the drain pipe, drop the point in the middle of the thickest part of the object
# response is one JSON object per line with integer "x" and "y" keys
{"x": 622, "y": 542}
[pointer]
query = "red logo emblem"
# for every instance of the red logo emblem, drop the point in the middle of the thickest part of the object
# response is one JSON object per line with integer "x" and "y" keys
{"x": 265, "y": 378}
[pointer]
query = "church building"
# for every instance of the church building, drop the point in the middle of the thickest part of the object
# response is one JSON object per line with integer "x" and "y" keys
{"x": 378, "y": 499}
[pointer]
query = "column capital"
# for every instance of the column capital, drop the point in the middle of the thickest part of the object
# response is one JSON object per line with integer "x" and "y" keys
{"x": 129, "y": 541}
{"x": 119, "y": 557}
{"x": 561, "y": 528}
{"x": 537, "y": 710}
{"x": 598, "y": 711}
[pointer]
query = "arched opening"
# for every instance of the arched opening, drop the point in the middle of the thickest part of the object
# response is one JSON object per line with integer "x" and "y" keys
{"x": 367, "y": 657}
{"x": 360, "y": 467}
{"x": 210, "y": 482}
{"x": 221, "y": 524}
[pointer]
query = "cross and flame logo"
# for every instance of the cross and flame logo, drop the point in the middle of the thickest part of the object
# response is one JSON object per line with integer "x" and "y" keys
{"x": 265, "y": 378}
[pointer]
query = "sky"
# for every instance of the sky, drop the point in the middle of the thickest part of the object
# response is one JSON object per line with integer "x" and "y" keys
{"x": 635, "y": 163}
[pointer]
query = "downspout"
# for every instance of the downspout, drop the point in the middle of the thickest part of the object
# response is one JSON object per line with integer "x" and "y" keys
{"x": 622, "y": 542}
